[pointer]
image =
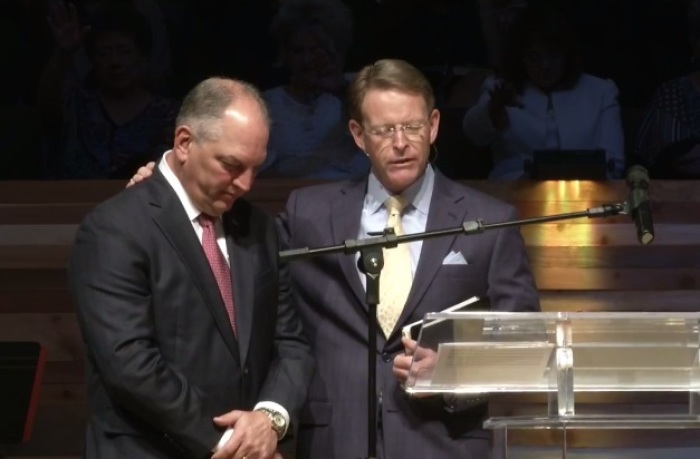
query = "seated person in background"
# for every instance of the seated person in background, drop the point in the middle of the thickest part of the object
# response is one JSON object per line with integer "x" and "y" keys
{"x": 309, "y": 136}
{"x": 668, "y": 141}
{"x": 544, "y": 101}
{"x": 102, "y": 127}
{"x": 496, "y": 17}
{"x": 157, "y": 68}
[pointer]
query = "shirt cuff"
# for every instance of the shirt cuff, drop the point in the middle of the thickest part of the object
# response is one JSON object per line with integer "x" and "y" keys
{"x": 278, "y": 408}
{"x": 224, "y": 439}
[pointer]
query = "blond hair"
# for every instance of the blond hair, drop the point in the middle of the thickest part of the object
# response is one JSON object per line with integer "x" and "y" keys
{"x": 388, "y": 74}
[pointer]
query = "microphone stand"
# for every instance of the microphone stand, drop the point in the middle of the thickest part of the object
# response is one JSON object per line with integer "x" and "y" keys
{"x": 371, "y": 263}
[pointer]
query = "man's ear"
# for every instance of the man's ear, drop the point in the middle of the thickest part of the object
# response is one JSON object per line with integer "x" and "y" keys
{"x": 434, "y": 121}
{"x": 183, "y": 141}
{"x": 356, "y": 131}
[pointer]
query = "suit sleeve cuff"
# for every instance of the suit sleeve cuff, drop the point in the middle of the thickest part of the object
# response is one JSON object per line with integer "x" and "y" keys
{"x": 278, "y": 408}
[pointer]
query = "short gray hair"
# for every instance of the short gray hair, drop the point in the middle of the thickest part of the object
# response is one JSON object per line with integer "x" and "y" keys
{"x": 207, "y": 102}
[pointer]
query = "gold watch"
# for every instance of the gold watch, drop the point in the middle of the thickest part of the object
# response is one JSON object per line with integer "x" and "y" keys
{"x": 277, "y": 421}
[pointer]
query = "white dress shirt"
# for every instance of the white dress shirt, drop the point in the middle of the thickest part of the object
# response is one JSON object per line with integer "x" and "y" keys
{"x": 192, "y": 214}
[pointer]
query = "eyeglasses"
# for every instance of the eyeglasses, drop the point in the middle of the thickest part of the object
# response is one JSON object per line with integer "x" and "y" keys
{"x": 412, "y": 130}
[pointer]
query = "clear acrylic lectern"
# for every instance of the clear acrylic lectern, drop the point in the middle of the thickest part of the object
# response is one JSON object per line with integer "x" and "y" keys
{"x": 561, "y": 354}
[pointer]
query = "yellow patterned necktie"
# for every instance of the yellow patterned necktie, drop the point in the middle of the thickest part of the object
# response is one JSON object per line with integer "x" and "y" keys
{"x": 396, "y": 278}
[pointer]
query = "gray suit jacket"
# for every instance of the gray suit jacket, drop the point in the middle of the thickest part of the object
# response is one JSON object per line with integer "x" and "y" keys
{"x": 333, "y": 307}
{"x": 162, "y": 359}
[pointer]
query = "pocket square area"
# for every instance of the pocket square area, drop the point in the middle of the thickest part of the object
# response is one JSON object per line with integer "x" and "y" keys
{"x": 455, "y": 258}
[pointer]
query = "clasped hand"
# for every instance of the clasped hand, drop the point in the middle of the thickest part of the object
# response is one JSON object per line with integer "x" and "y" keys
{"x": 423, "y": 360}
{"x": 253, "y": 436}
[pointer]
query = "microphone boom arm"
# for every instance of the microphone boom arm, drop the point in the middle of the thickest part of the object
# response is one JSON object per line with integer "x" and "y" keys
{"x": 388, "y": 239}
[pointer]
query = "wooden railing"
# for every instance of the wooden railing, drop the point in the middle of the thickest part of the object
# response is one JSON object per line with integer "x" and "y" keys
{"x": 579, "y": 265}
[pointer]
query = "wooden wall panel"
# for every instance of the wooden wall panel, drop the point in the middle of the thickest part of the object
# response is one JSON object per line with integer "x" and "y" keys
{"x": 38, "y": 300}
{"x": 33, "y": 279}
{"x": 580, "y": 265}
{"x": 58, "y": 333}
{"x": 616, "y": 279}
{"x": 623, "y": 300}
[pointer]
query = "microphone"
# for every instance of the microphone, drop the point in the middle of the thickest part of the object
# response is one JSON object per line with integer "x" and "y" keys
{"x": 638, "y": 203}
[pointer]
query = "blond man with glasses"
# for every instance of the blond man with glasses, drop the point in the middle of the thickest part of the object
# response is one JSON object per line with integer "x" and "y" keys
{"x": 393, "y": 119}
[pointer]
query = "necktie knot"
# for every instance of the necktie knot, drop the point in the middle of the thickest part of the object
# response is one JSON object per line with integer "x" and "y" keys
{"x": 395, "y": 204}
{"x": 206, "y": 220}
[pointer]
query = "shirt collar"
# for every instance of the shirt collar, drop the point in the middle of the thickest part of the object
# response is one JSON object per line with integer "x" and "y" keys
{"x": 190, "y": 208}
{"x": 418, "y": 194}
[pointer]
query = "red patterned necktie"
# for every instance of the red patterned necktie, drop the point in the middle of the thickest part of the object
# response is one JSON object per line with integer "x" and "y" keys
{"x": 218, "y": 264}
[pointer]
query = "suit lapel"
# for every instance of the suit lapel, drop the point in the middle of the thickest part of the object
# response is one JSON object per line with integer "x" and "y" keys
{"x": 448, "y": 209}
{"x": 244, "y": 260}
{"x": 346, "y": 213}
{"x": 171, "y": 218}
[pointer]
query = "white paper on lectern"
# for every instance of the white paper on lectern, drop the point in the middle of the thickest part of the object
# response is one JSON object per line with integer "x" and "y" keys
{"x": 408, "y": 331}
{"x": 510, "y": 364}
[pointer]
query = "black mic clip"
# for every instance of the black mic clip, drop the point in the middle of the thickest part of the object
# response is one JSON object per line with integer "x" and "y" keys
{"x": 609, "y": 210}
{"x": 639, "y": 206}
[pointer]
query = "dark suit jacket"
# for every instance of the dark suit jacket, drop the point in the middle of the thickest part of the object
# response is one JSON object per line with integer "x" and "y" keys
{"x": 162, "y": 359}
{"x": 332, "y": 304}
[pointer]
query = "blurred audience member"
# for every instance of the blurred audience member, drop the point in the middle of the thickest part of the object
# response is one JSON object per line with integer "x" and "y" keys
{"x": 496, "y": 17}
{"x": 543, "y": 100}
{"x": 668, "y": 142}
{"x": 309, "y": 136}
{"x": 105, "y": 125}
{"x": 157, "y": 66}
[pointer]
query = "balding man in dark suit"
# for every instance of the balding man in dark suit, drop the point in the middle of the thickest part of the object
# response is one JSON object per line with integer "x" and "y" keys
{"x": 193, "y": 345}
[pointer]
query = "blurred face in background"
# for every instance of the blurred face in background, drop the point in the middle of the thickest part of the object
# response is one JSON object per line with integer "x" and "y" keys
{"x": 544, "y": 66}
{"x": 118, "y": 62}
{"x": 311, "y": 57}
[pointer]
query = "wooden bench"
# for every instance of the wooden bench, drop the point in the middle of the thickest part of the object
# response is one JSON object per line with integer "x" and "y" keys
{"x": 579, "y": 265}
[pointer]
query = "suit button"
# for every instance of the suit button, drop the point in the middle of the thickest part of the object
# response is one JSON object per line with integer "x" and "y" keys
{"x": 387, "y": 357}
{"x": 245, "y": 371}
